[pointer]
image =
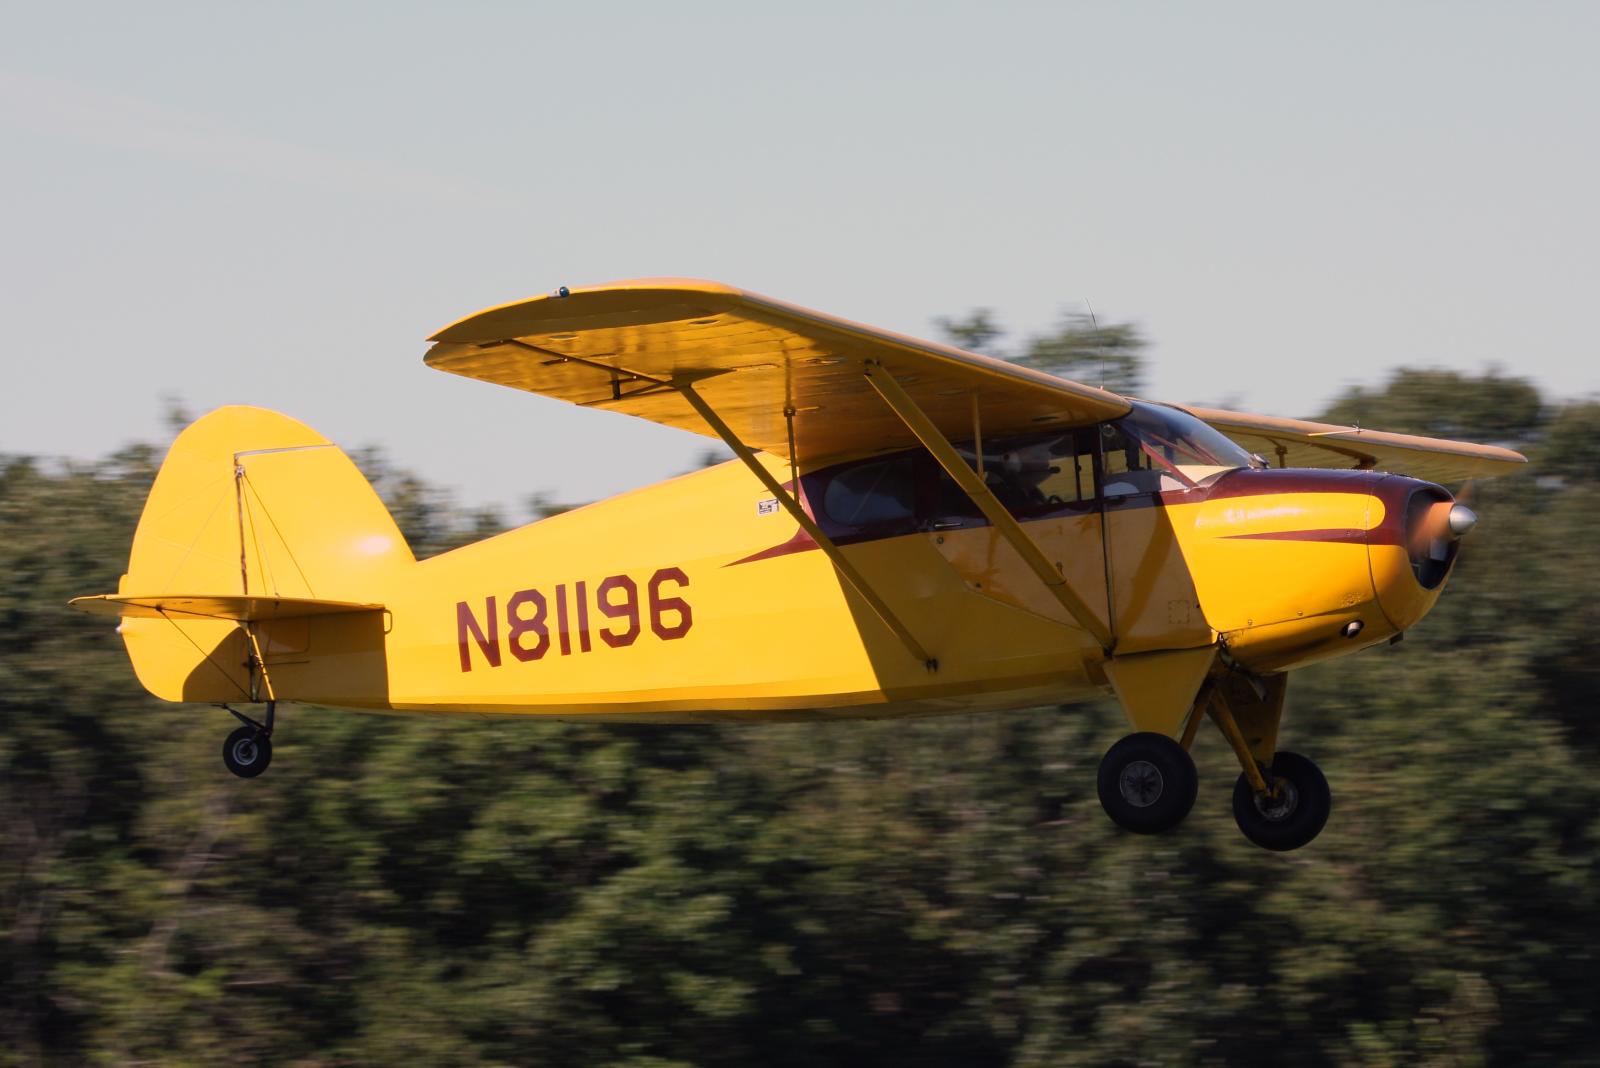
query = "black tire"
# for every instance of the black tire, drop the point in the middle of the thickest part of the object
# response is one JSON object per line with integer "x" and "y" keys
{"x": 247, "y": 752}
{"x": 1147, "y": 783}
{"x": 1296, "y": 816}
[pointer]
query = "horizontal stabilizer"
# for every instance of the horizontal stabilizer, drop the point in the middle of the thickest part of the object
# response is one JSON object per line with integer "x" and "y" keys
{"x": 216, "y": 606}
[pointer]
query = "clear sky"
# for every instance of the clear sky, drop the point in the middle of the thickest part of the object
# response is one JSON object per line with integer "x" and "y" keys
{"x": 276, "y": 203}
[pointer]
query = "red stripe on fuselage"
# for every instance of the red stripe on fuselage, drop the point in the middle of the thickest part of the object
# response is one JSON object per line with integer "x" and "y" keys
{"x": 1341, "y": 537}
{"x": 1393, "y": 490}
{"x": 800, "y": 543}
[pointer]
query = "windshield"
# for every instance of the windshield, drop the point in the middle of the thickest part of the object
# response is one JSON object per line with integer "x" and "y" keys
{"x": 1168, "y": 443}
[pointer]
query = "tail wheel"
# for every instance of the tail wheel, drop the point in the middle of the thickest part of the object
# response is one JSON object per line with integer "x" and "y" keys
{"x": 1147, "y": 783}
{"x": 1294, "y": 809}
{"x": 247, "y": 752}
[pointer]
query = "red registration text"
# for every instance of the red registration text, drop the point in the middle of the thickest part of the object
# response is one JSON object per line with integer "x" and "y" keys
{"x": 569, "y": 618}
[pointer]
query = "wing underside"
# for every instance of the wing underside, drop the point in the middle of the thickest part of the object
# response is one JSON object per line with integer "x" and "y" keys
{"x": 628, "y": 345}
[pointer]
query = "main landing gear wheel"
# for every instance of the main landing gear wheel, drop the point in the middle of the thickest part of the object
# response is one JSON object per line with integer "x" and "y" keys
{"x": 247, "y": 752}
{"x": 1147, "y": 783}
{"x": 1294, "y": 809}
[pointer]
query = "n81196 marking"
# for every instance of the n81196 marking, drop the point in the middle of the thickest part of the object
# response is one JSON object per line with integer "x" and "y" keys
{"x": 528, "y": 615}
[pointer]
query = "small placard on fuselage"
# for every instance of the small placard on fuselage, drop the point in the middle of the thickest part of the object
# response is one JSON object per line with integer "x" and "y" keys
{"x": 767, "y": 507}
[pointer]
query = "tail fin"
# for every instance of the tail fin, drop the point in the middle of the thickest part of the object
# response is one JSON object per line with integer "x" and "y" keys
{"x": 267, "y": 522}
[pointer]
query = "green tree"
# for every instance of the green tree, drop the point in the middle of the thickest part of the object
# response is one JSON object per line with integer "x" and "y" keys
{"x": 1491, "y": 407}
{"x": 1110, "y": 356}
{"x": 1570, "y": 447}
{"x": 976, "y": 331}
{"x": 939, "y": 892}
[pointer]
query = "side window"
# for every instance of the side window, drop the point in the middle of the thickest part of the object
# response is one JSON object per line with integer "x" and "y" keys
{"x": 950, "y": 501}
{"x": 1017, "y": 472}
{"x": 881, "y": 493}
{"x": 1031, "y": 476}
{"x": 1071, "y": 476}
{"x": 1037, "y": 475}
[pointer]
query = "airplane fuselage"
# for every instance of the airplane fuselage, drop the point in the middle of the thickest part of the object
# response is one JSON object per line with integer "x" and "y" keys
{"x": 694, "y": 599}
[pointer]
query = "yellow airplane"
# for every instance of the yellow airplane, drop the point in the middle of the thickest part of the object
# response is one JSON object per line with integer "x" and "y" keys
{"x": 908, "y": 529}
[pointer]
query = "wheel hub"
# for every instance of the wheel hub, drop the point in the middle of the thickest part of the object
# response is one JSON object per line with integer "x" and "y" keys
{"x": 1279, "y": 802}
{"x": 245, "y": 751}
{"x": 1140, "y": 784}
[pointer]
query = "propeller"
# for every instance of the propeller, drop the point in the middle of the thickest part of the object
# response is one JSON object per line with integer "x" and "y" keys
{"x": 1441, "y": 524}
{"x": 1463, "y": 517}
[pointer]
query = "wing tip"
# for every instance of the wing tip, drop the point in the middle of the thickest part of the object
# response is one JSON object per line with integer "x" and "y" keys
{"x": 1475, "y": 460}
{"x": 461, "y": 329}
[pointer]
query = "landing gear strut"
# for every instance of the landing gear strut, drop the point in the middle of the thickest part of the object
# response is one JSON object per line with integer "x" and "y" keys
{"x": 248, "y": 750}
{"x": 1279, "y": 806}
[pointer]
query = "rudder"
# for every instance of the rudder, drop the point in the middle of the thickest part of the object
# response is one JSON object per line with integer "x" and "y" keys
{"x": 251, "y": 503}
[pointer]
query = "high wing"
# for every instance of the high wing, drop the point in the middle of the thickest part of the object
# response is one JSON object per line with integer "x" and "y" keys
{"x": 1301, "y": 443}
{"x": 626, "y": 346}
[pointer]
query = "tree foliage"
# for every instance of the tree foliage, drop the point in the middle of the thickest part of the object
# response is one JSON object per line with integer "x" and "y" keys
{"x": 441, "y": 891}
{"x": 1079, "y": 348}
{"x": 1445, "y": 404}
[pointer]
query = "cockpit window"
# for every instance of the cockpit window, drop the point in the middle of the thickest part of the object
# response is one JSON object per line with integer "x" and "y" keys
{"x": 1155, "y": 448}
{"x": 1030, "y": 475}
{"x": 1150, "y": 450}
{"x": 874, "y": 494}
{"x": 1129, "y": 469}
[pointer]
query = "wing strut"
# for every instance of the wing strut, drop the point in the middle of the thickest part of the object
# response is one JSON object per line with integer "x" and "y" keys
{"x": 846, "y": 570}
{"x": 919, "y": 424}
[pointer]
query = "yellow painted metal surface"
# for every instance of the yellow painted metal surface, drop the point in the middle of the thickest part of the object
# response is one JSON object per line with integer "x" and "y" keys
{"x": 990, "y": 568}
{"x": 1402, "y": 601}
{"x": 770, "y": 634}
{"x": 1244, "y": 578}
{"x": 1157, "y": 690}
{"x": 1156, "y": 604}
